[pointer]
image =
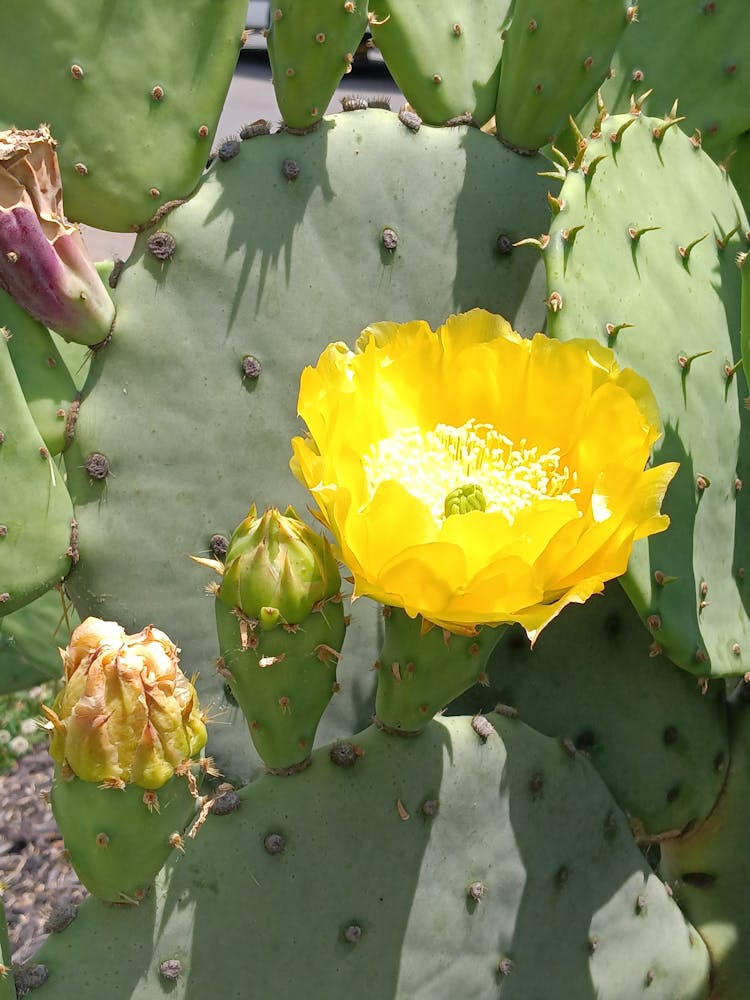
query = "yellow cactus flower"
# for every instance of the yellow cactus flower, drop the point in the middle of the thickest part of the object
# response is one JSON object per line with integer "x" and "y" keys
{"x": 472, "y": 476}
{"x": 127, "y": 713}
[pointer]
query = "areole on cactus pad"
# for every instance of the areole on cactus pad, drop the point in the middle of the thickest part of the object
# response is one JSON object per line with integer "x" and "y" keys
{"x": 476, "y": 477}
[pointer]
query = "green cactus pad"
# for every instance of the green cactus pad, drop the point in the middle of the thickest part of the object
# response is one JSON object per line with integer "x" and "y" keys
{"x": 45, "y": 380}
{"x": 694, "y": 52}
{"x": 394, "y": 878}
{"x": 35, "y": 508}
{"x": 282, "y": 678}
{"x": 652, "y": 273}
{"x": 553, "y": 62}
{"x": 661, "y": 745}
{"x": 29, "y": 641}
{"x": 710, "y": 874}
{"x": 132, "y": 92}
{"x": 116, "y": 842}
{"x": 311, "y": 47}
{"x": 445, "y": 57}
{"x": 191, "y": 440}
{"x": 419, "y": 674}
{"x": 7, "y": 989}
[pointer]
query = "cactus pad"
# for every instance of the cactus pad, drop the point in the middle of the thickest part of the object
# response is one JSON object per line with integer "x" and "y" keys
{"x": 661, "y": 746}
{"x": 192, "y": 404}
{"x": 389, "y": 876}
{"x": 35, "y": 508}
{"x": 445, "y": 57}
{"x": 652, "y": 273}
{"x": 131, "y": 91}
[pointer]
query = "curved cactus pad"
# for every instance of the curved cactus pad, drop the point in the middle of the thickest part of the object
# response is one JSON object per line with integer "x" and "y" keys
{"x": 661, "y": 745}
{"x": 641, "y": 256}
{"x": 35, "y": 508}
{"x": 188, "y": 413}
{"x": 709, "y": 871}
{"x": 387, "y": 877}
{"x": 132, "y": 92}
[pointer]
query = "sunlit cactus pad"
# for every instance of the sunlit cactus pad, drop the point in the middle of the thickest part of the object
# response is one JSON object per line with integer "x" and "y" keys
{"x": 132, "y": 91}
{"x": 647, "y": 265}
{"x": 393, "y": 878}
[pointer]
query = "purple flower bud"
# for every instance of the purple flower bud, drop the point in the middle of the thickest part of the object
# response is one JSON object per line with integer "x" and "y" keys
{"x": 44, "y": 264}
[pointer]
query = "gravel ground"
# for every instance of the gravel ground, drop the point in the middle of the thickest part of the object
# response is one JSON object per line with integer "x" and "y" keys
{"x": 38, "y": 881}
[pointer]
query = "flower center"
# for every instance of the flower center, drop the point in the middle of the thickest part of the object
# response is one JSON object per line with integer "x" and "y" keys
{"x": 453, "y": 470}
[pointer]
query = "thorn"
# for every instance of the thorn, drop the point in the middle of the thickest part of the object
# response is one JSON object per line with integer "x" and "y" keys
{"x": 696, "y": 139}
{"x": 556, "y": 204}
{"x": 401, "y": 810}
{"x": 661, "y": 579}
{"x": 590, "y": 169}
{"x": 214, "y": 564}
{"x": 616, "y": 137}
{"x": 576, "y": 130}
{"x": 659, "y": 131}
{"x": 569, "y": 235}
{"x": 721, "y": 241}
{"x": 685, "y": 361}
{"x": 613, "y": 330}
{"x": 554, "y": 302}
{"x": 541, "y": 244}
{"x": 731, "y": 370}
{"x": 557, "y": 154}
{"x": 635, "y": 234}
{"x": 685, "y": 252}
{"x": 702, "y": 482}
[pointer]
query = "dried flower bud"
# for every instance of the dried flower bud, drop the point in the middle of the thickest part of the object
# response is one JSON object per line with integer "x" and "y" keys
{"x": 44, "y": 264}
{"x": 127, "y": 713}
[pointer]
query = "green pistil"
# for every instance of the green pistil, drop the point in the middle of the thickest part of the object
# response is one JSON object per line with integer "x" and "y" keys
{"x": 464, "y": 498}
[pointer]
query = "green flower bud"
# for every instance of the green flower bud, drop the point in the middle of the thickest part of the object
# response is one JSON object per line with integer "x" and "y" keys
{"x": 278, "y": 569}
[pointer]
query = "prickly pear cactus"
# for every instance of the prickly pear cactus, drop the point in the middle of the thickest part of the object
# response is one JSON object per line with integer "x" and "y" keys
{"x": 210, "y": 304}
{"x": 444, "y": 57}
{"x": 29, "y": 641}
{"x": 35, "y": 509}
{"x": 131, "y": 91}
{"x": 609, "y": 259}
{"x": 467, "y": 890}
{"x": 472, "y": 854}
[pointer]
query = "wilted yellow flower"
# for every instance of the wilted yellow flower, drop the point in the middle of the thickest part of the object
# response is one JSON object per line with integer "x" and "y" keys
{"x": 473, "y": 476}
{"x": 127, "y": 713}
